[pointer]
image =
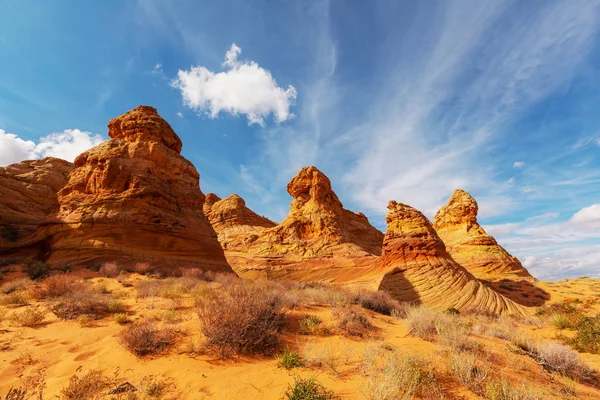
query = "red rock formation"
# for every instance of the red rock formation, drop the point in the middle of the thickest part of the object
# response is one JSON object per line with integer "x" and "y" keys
{"x": 135, "y": 198}
{"x": 27, "y": 197}
{"x": 317, "y": 237}
{"x": 236, "y": 225}
{"x": 469, "y": 244}
{"x": 420, "y": 270}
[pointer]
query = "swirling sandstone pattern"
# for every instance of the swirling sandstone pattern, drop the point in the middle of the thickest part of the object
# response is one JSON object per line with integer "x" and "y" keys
{"x": 27, "y": 197}
{"x": 470, "y": 245}
{"x": 135, "y": 198}
{"x": 420, "y": 270}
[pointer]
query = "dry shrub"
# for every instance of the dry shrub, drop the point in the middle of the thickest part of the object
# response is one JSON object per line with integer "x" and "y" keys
{"x": 352, "y": 322}
{"x": 73, "y": 305}
{"x": 423, "y": 322}
{"x": 143, "y": 268}
{"x": 14, "y": 299}
{"x": 467, "y": 369}
{"x": 562, "y": 359}
{"x": 312, "y": 325}
{"x": 149, "y": 288}
{"x": 110, "y": 270}
{"x": 91, "y": 386}
{"x": 59, "y": 285}
{"x": 506, "y": 390}
{"x": 242, "y": 319}
{"x": 380, "y": 302}
{"x": 145, "y": 338}
{"x": 397, "y": 376}
{"x": 321, "y": 355}
{"x": 29, "y": 318}
{"x": 15, "y": 285}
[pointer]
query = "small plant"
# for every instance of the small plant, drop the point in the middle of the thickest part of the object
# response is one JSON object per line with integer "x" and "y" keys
{"x": 506, "y": 390}
{"x": 110, "y": 270}
{"x": 466, "y": 370}
{"x": 559, "y": 358}
{"x": 89, "y": 386}
{"x": 290, "y": 360}
{"x": 452, "y": 311}
{"x": 380, "y": 302}
{"x": 81, "y": 303}
{"x": 153, "y": 387}
{"x": 352, "y": 322}
{"x": 37, "y": 269}
{"x": 587, "y": 336}
{"x": 308, "y": 389}
{"x": 121, "y": 318}
{"x": 423, "y": 321}
{"x": 312, "y": 325}
{"x": 15, "y": 285}
{"x": 14, "y": 299}
{"x": 58, "y": 285}
{"x": 28, "y": 318}
{"x": 146, "y": 338}
{"x": 560, "y": 321}
{"x": 85, "y": 321}
{"x": 116, "y": 307}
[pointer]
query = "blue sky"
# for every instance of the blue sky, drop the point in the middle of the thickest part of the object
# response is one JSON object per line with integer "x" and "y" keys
{"x": 392, "y": 100}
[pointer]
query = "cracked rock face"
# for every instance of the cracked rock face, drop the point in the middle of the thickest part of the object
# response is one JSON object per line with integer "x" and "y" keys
{"x": 470, "y": 245}
{"x": 134, "y": 198}
{"x": 420, "y": 270}
{"x": 28, "y": 195}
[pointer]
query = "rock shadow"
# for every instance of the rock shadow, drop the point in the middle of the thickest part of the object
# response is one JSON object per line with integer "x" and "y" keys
{"x": 522, "y": 292}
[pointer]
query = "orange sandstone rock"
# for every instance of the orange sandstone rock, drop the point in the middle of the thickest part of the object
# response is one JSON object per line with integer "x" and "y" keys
{"x": 319, "y": 239}
{"x": 27, "y": 197}
{"x": 420, "y": 270}
{"x": 236, "y": 225}
{"x": 469, "y": 244}
{"x": 134, "y": 198}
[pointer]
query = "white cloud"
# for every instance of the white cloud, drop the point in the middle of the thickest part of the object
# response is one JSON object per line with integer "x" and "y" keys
{"x": 157, "y": 70}
{"x": 243, "y": 88}
{"x": 66, "y": 145}
{"x": 588, "y": 216}
{"x": 180, "y": 115}
{"x": 518, "y": 164}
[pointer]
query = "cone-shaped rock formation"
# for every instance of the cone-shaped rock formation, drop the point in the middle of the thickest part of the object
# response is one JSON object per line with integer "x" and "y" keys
{"x": 135, "y": 198}
{"x": 317, "y": 235}
{"x": 469, "y": 244}
{"x": 27, "y": 197}
{"x": 236, "y": 224}
{"x": 420, "y": 270}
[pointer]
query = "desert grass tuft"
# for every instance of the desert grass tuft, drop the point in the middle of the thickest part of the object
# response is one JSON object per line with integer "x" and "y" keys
{"x": 290, "y": 359}
{"x": 145, "y": 338}
{"x": 308, "y": 389}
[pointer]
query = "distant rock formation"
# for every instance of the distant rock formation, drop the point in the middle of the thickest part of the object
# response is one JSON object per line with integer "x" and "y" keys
{"x": 420, "y": 270}
{"x": 27, "y": 197}
{"x": 236, "y": 225}
{"x": 317, "y": 235}
{"x": 134, "y": 198}
{"x": 469, "y": 244}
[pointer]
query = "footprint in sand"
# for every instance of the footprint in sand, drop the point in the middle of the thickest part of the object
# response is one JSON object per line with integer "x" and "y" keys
{"x": 84, "y": 356}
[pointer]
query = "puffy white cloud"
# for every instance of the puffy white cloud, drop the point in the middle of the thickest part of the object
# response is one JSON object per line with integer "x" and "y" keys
{"x": 66, "y": 145}
{"x": 243, "y": 88}
{"x": 518, "y": 164}
{"x": 588, "y": 216}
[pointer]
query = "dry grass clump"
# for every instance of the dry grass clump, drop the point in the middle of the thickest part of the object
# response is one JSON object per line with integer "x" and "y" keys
{"x": 146, "y": 338}
{"x": 59, "y": 285}
{"x": 73, "y": 305}
{"x": 14, "y": 285}
{"x": 352, "y": 322}
{"x": 467, "y": 369}
{"x": 393, "y": 376}
{"x": 562, "y": 359}
{"x": 241, "y": 319}
{"x": 380, "y": 302}
{"x": 505, "y": 390}
{"x": 14, "y": 299}
{"x": 29, "y": 318}
{"x": 290, "y": 359}
{"x": 110, "y": 270}
{"x": 121, "y": 318}
{"x": 312, "y": 325}
{"x": 91, "y": 386}
{"x": 426, "y": 322}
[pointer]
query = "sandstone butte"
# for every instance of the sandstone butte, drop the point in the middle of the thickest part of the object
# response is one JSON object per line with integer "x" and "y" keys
{"x": 470, "y": 245}
{"x": 132, "y": 199}
{"x": 318, "y": 240}
{"x": 420, "y": 270}
{"x": 27, "y": 197}
{"x": 236, "y": 225}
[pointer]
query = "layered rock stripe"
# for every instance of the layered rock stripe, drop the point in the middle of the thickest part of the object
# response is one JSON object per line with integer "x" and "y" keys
{"x": 134, "y": 198}
{"x": 470, "y": 245}
{"x": 420, "y": 270}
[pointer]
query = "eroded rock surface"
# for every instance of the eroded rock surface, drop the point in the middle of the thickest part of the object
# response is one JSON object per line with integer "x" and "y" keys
{"x": 470, "y": 245}
{"x": 28, "y": 195}
{"x": 420, "y": 270}
{"x": 134, "y": 198}
{"x": 318, "y": 236}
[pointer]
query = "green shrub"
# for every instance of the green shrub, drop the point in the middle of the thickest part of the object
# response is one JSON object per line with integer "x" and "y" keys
{"x": 587, "y": 337}
{"x": 121, "y": 318}
{"x": 308, "y": 389}
{"x": 561, "y": 321}
{"x": 312, "y": 325}
{"x": 289, "y": 360}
